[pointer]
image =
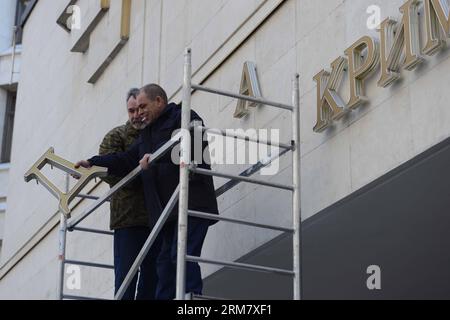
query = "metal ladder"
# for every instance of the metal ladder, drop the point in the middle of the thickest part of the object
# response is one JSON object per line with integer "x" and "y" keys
{"x": 181, "y": 194}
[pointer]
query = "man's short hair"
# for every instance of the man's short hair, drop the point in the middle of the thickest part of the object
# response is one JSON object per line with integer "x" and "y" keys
{"x": 133, "y": 92}
{"x": 153, "y": 90}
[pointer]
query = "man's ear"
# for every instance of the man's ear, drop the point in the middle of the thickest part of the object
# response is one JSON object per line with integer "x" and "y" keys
{"x": 159, "y": 100}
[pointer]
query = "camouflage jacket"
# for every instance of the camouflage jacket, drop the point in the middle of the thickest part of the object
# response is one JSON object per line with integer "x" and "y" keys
{"x": 127, "y": 205}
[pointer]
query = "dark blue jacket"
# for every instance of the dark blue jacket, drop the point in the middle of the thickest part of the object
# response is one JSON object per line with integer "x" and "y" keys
{"x": 162, "y": 178}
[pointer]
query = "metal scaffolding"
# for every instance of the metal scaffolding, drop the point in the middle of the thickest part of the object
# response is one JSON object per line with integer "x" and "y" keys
{"x": 181, "y": 194}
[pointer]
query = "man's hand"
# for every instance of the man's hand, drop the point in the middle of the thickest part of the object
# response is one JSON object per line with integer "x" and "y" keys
{"x": 144, "y": 161}
{"x": 82, "y": 163}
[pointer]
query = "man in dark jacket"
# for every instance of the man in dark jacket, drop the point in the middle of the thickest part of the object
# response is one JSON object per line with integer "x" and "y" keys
{"x": 129, "y": 217}
{"x": 160, "y": 181}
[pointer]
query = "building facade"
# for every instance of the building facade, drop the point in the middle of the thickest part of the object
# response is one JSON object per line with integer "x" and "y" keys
{"x": 10, "y": 56}
{"x": 373, "y": 174}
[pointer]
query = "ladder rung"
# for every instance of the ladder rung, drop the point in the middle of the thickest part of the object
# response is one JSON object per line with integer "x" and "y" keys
{"x": 191, "y": 296}
{"x": 89, "y": 264}
{"x": 225, "y": 133}
{"x": 238, "y": 221}
{"x": 241, "y": 178}
{"x": 243, "y": 266}
{"x": 249, "y": 172}
{"x": 199, "y": 297}
{"x": 110, "y": 233}
{"x": 72, "y": 297}
{"x": 242, "y": 97}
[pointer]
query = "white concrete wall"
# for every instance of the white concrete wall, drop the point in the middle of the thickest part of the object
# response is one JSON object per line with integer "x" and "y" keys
{"x": 35, "y": 277}
{"x": 2, "y": 226}
{"x": 301, "y": 36}
{"x": 6, "y": 66}
{"x": 4, "y": 170}
{"x": 2, "y": 221}
{"x": 7, "y": 16}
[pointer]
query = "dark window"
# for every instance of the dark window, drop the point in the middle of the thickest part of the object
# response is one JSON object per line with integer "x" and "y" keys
{"x": 20, "y": 9}
{"x": 8, "y": 128}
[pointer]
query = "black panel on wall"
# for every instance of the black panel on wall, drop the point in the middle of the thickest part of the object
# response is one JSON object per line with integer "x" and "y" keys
{"x": 400, "y": 222}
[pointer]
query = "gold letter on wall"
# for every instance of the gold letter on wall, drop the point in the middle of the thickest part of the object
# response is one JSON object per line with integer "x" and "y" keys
{"x": 358, "y": 69}
{"x": 249, "y": 87}
{"x": 124, "y": 36}
{"x": 82, "y": 45}
{"x": 437, "y": 13}
{"x": 83, "y": 42}
{"x": 329, "y": 104}
{"x": 403, "y": 38}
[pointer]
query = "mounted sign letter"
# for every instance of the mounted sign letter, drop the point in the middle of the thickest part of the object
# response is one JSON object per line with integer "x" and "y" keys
{"x": 249, "y": 87}
{"x": 437, "y": 14}
{"x": 82, "y": 45}
{"x": 397, "y": 49}
{"x": 330, "y": 106}
{"x": 359, "y": 69}
{"x": 64, "y": 198}
{"x": 124, "y": 36}
{"x": 398, "y": 37}
{"x": 96, "y": 13}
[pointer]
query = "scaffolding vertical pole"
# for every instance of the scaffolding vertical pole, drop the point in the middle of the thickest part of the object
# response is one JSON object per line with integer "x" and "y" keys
{"x": 62, "y": 246}
{"x": 296, "y": 207}
{"x": 185, "y": 159}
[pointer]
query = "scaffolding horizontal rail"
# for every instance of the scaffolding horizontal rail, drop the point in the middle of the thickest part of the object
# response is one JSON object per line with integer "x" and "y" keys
{"x": 72, "y": 297}
{"x": 191, "y": 296}
{"x": 243, "y": 266}
{"x": 240, "y": 178}
{"x": 89, "y": 264}
{"x": 235, "y": 135}
{"x": 210, "y": 216}
{"x": 242, "y": 97}
{"x": 88, "y": 230}
{"x": 130, "y": 177}
{"x": 249, "y": 172}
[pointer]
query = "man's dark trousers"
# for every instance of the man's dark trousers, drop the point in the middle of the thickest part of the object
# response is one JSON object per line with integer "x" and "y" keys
{"x": 128, "y": 242}
{"x": 167, "y": 259}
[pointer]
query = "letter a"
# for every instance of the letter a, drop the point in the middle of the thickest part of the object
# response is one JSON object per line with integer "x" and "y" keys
{"x": 249, "y": 87}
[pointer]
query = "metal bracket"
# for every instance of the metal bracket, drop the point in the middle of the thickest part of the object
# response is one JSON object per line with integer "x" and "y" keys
{"x": 85, "y": 175}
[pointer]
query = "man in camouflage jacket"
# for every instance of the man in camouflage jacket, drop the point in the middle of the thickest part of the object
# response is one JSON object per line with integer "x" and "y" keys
{"x": 129, "y": 217}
